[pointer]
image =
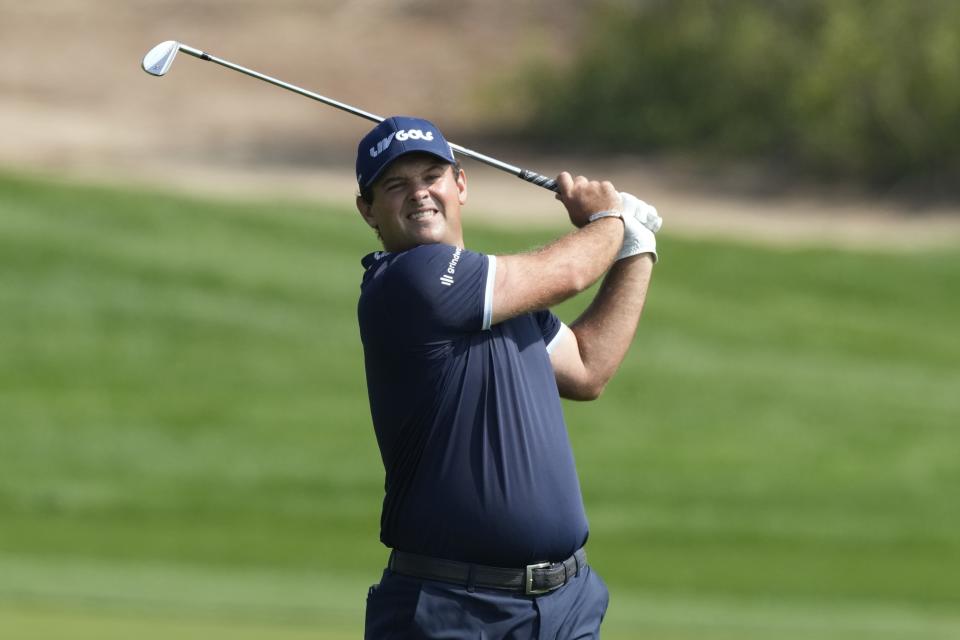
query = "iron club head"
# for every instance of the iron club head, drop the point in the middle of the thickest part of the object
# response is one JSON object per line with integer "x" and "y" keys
{"x": 158, "y": 60}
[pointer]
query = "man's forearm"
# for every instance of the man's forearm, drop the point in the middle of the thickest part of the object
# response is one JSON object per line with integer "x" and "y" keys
{"x": 605, "y": 330}
{"x": 548, "y": 276}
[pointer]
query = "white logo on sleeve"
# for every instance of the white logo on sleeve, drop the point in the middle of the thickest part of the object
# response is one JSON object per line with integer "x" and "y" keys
{"x": 447, "y": 278}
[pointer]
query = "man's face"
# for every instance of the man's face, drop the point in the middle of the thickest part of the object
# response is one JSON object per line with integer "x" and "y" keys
{"x": 416, "y": 200}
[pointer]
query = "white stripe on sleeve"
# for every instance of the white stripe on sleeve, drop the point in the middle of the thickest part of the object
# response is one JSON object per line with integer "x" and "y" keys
{"x": 562, "y": 332}
{"x": 488, "y": 292}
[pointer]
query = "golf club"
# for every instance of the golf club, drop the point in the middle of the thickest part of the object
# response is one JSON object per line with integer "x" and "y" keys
{"x": 158, "y": 60}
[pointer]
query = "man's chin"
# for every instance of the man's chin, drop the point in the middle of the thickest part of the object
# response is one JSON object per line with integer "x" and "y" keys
{"x": 431, "y": 235}
{"x": 416, "y": 239}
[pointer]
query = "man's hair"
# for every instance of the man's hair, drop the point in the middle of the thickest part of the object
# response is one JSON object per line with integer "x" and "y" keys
{"x": 366, "y": 193}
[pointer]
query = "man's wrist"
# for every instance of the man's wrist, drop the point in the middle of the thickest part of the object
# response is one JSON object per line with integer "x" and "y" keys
{"x": 612, "y": 213}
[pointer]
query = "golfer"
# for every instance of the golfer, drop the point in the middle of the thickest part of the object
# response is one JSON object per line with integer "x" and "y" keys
{"x": 465, "y": 369}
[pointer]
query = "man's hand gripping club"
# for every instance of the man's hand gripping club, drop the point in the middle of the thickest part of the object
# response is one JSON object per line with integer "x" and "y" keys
{"x": 589, "y": 200}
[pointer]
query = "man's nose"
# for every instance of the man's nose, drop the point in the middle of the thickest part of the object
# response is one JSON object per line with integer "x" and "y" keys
{"x": 419, "y": 191}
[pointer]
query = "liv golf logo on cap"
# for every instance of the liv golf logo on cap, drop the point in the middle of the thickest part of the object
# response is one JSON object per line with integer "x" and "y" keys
{"x": 401, "y": 136}
{"x": 393, "y": 138}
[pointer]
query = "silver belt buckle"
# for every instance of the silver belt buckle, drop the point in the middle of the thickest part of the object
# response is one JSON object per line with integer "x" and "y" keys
{"x": 528, "y": 582}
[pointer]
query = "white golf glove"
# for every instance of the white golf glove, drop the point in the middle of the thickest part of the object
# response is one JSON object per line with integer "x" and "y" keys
{"x": 643, "y": 212}
{"x": 640, "y": 220}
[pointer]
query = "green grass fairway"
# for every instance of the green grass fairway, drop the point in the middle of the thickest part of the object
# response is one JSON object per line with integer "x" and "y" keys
{"x": 186, "y": 452}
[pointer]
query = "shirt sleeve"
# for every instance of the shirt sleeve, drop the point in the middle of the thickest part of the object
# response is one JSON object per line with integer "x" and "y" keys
{"x": 550, "y": 327}
{"x": 438, "y": 288}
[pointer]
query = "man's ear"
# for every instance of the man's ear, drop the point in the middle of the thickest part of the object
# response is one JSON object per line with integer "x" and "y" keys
{"x": 364, "y": 208}
{"x": 462, "y": 187}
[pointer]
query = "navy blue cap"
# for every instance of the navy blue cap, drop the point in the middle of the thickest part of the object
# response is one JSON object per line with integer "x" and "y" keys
{"x": 394, "y": 137}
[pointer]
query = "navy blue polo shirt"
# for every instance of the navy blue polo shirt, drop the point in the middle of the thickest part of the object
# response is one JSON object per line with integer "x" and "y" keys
{"x": 467, "y": 415}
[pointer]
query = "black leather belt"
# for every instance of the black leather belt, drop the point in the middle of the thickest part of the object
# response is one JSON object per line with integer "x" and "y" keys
{"x": 533, "y": 579}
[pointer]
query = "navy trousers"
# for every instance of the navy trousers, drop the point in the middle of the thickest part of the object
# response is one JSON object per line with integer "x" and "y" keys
{"x": 404, "y": 608}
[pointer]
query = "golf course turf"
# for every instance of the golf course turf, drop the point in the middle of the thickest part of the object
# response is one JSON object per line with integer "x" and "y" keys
{"x": 186, "y": 448}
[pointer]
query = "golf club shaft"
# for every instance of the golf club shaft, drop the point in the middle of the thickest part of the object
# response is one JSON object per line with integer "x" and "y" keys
{"x": 524, "y": 174}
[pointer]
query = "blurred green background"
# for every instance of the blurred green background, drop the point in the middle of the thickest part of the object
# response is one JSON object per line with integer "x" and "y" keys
{"x": 864, "y": 90}
{"x": 185, "y": 443}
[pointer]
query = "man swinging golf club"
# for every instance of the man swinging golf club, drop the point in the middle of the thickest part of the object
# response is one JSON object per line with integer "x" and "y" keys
{"x": 465, "y": 369}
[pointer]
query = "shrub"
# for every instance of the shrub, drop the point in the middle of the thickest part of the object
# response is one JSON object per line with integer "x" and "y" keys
{"x": 862, "y": 88}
